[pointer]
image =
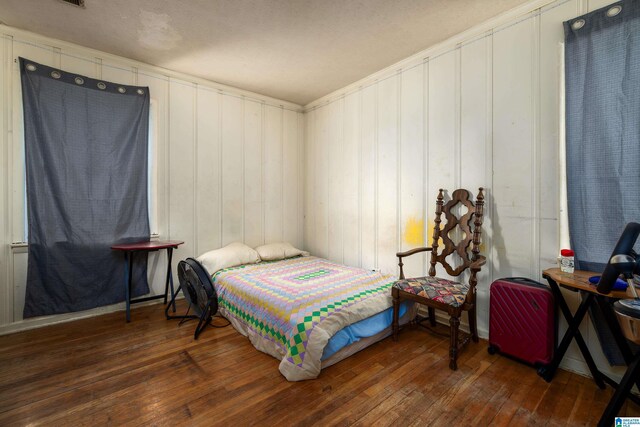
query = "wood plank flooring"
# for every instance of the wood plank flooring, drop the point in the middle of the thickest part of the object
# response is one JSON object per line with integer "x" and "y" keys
{"x": 103, "y": 371}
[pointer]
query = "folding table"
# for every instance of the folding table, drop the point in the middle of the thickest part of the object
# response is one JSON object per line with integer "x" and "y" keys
{"x": 129, "y": 249}
{"x": 575, "y": 282}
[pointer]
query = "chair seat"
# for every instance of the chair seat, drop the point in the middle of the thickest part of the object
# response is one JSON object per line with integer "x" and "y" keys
{"x": 435, "y": 288}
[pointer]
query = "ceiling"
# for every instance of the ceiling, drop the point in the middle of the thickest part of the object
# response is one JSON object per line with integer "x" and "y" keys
{"x": 295, "y": 50}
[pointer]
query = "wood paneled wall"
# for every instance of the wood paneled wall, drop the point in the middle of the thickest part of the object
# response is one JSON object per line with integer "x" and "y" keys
{"x": 228, "y": 163}
{"x": 481, "y": 110}
{"x": 484, "y": 111}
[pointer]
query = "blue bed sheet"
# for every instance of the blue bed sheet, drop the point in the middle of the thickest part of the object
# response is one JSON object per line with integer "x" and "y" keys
{"x": 362, "y": 329}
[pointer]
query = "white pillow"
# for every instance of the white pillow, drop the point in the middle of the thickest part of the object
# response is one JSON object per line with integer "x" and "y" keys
{"x": 232, "y": 255}
{"x": 277, "y": 251}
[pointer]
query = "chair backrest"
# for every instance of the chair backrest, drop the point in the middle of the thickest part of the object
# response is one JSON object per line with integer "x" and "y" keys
{"x": 474, "y": 215}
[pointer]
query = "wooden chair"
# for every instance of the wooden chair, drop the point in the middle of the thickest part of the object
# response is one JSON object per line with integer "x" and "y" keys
{"x": 443, "y": 294}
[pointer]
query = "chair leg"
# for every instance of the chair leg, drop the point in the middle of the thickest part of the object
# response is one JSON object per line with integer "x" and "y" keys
{"x": 473, "y": 324}
{"x": 432, "y": 316}
{"x": 454, "y": 321}
{"x": 396, "y": 309}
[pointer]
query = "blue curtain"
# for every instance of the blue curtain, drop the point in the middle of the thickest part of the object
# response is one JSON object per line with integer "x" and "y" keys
{"x": 602, "y": 78}
{"x": 602, "y": 69}
{"x": 86, "y": 145}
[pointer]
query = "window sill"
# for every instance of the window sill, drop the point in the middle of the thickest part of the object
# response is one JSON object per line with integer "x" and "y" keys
{"x": 20, "y": 247}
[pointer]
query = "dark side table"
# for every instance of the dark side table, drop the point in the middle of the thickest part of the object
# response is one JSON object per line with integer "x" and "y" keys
{"x": 129, "y": 249}
{"x": 578, "y": 281}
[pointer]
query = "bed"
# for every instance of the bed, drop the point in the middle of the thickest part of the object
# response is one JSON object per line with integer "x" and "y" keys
{"x": 307, "y": 312}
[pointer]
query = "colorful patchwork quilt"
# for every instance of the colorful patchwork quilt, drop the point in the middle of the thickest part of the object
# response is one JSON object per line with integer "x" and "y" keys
{"x": 291, "y": 308}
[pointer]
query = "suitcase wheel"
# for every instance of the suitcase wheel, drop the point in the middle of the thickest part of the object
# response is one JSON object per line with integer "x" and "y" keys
{"x": 545, "y": 373}
{"x": 492, "y": 350}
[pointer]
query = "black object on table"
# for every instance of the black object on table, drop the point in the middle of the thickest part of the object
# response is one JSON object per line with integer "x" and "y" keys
{"x": 129, "y": 249}
{"x": 623, "y": 262}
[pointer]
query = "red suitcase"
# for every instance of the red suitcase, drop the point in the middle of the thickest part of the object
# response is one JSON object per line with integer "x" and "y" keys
{"x": 522, "y": 320}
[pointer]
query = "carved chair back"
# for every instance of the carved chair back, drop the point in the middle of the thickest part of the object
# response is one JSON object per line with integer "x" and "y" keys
{"x": 473, "y": 215}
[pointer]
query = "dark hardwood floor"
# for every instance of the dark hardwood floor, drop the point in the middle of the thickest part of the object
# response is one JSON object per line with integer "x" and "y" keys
{"x": 102, "y": 371}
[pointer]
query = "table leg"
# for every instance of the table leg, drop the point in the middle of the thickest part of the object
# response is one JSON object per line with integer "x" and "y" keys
{"x": 616, "y": 331}
{"x": 614, "y": 327}
{"x": 128, "y": 272}
{"x": 169, "y": 281}
{"x": 591, "y": 364}
{"x": 174, "y": 294}
{"x": 573, "y": 331}
{"x": 172, "y": 302}
{"x": 621, "y": 393}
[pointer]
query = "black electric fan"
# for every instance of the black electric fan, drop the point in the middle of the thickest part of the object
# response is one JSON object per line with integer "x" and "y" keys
{"x": 198, "y": 290}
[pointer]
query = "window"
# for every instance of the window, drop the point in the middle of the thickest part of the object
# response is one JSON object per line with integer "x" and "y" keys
{"x": 152, "y": 176}
{"x": 563, "y": 218}
{"x": 152, "y": 169}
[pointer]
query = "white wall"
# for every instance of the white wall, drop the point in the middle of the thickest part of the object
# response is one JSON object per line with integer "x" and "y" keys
{"x": 479, "y": 110}
{"x": 229, "y": 163}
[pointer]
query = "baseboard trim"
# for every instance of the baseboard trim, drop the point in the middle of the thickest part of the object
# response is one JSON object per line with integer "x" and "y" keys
{"x": 41, "y": 322}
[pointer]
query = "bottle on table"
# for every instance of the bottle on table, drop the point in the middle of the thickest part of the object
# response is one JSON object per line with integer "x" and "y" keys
{"x": 566, "y": 260}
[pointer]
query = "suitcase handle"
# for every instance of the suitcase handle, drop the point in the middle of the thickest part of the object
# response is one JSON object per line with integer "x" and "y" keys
{"x": 526, "y": 280}
{"x": 522, "y": 279}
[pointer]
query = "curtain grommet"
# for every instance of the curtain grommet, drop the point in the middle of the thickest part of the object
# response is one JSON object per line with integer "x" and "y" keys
{"x": 101, "y": 85}
{"x": 121, "y": 89}
{"x": 140, "y": 92}
{"x": 577, "y": 24}
{"x": 613, "y": 11}
{"x": 31, "y": 67}
{"x": 56, "y": 74}
{"x": 79, "y": 80}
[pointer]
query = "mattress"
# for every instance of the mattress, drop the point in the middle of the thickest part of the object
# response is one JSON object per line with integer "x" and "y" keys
{"x": 291, "y": 309}
{"x": 365, "y": 328}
